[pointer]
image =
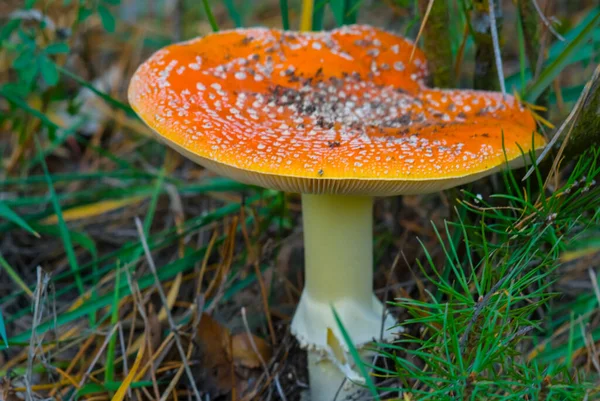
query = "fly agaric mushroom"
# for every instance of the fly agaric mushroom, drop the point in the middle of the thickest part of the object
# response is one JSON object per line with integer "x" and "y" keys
{"x": 340, "y": 117}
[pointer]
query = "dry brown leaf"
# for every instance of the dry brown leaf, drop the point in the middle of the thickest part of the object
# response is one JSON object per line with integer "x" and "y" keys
{"x": 243, "y": 352}
{"x": 214, "y": 354}
{"x": 226, "y": 362}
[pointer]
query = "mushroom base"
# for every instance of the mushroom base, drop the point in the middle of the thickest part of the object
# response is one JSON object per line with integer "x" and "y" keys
{"x": 327, "y": 381}
{"x": 362, "y": 322}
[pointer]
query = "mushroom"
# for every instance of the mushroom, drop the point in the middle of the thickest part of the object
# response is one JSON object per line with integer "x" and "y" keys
{"x": 340, "y": 117}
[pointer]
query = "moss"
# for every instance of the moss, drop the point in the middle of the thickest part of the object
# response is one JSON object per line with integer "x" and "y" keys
{"x": 437, "y": 43}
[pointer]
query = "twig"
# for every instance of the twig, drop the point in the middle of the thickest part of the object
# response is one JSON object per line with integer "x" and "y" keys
{"x": 255, "y": 261}
{"x": 591, "y": 347}
{"x": 496, "y": 41}
{"x": 124, "y": 354}
{"x": 100, "y": 352}
{"x": 260, "y": 358}
{"x": 546, "y": 22}
{"x": 486, "y": 26}
{"x": 478, "y": 310}
{"x": 521, "y": 332}
{"x": 279, "y": 388}
{"x": 139, "y": 303}
{"x": 421, "y": 28}
{"x": 594, "y": 280}
{"x": 253, "y": 343}
{"x": 163, "y": 299}
{"x": 387, "y": 293}
{"x": 40, "y": 289}
{"x": 339, "y": 390}
{"x": 177, "y": 376}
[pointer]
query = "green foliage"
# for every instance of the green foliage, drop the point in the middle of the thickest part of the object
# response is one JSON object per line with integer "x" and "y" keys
{"x": 569, "y": 54}
{"x": 210, "y": 16}
{"x": 578, "y": 47}
{"x": 474, "y": 335}
{"x": 8, "y": 214}
{"x": 285, "y": 15}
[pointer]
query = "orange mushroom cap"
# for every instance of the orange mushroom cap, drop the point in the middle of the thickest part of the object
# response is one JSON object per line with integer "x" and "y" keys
{"x": 344, "y": 112}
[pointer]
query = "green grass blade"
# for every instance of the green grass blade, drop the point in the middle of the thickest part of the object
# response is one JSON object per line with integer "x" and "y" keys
{"x": 565, "y": 58}
{"x": 233, "y": 13}
{"x": 210, "y": 16}
{"x": 345, "y": 11}
{"x": 20, "y": 103}
{"x": 107, "y": 98}
{"x": 64, "y": 231}
{"x": 15, "y": 276}
{"x": 338, "y": 7}
{"x": 356, "y": 356}
{"x": 584, "y": 54}
{"x": 319, "y": 15}
{"x": 3, "y": 330}
{"x": 154, "y": 201}
{"x": 285, "y": 14}
{"x": 352, "y": 7}
{"x": 8, "y": 214}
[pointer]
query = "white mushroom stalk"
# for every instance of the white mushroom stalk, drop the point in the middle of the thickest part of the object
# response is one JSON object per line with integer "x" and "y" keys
{"x": 338, "y": 241}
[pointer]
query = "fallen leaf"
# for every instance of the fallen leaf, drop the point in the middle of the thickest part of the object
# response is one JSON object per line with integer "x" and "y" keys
{"x": 244, "y": 354}
{"x": 226, "y": 363}
{"x": 214, "y": 356}
{"x": 92, "y": 210}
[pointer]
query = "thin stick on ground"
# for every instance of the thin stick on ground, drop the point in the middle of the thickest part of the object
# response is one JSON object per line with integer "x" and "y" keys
{"x": 421, "y": 28}
{"x": 546, "y": 22}
{"x": 100, "y": 352}
{"x": 124, "y": 353}
{"x": 263, "y": 363}
{"x": 481, "y": 304}
{"x": 254, "y": 260}
{"x": 138, "y": 301}
{"x": 177, "y": 375}
{"x": 487, "y": 38}
{"x": 496, "y": 42}
{"x": 40, "y": 289}
{"x": 163, "y": 299}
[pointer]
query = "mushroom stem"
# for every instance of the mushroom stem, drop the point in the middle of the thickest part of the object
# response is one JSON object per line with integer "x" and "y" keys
{"x": 338, "y": 241}
{"x": 338, "y": 247}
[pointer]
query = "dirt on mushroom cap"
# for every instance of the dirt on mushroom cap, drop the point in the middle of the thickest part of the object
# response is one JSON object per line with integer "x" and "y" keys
{"x": 344, "y": 111}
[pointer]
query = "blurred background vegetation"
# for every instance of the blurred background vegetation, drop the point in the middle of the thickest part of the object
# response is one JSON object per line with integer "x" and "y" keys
{"x": 496, "y": 282}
